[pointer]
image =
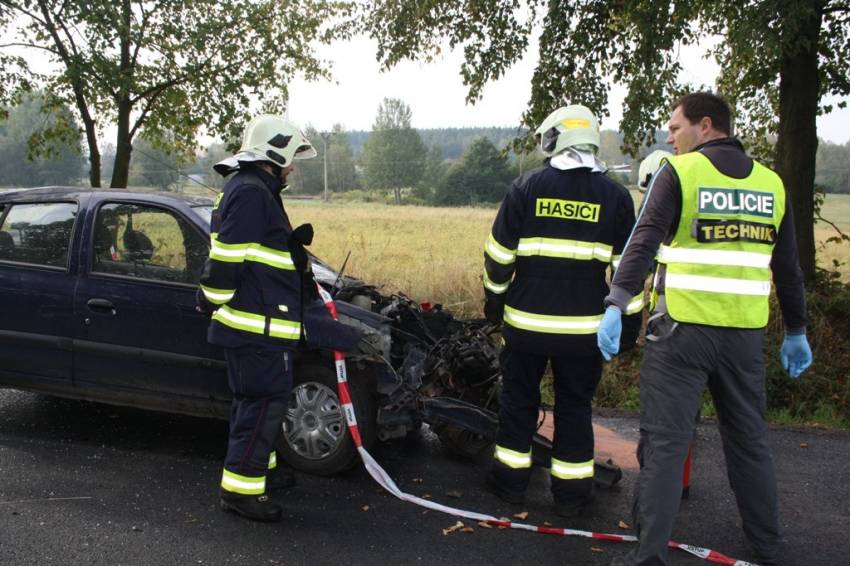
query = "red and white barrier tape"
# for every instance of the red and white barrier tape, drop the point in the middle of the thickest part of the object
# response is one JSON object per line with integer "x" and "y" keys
{"x": 384, "y": 480}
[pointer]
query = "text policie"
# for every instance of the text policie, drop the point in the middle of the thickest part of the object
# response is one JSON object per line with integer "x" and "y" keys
{"x": 384, "y": 480}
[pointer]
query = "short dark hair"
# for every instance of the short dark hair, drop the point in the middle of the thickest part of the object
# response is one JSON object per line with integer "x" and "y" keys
{"x": 698, "y": 105}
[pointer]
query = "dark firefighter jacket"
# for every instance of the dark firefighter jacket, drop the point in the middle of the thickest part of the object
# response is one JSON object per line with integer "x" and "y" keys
{"x": 555, "y": 235}
{"x": 250, "y": 276}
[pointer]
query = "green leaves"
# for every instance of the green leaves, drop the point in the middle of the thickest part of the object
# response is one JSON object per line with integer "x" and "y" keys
{"x": 177, "y": 68}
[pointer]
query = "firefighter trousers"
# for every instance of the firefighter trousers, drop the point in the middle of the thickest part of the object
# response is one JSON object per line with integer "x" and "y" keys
{"x": 261, "y": 380}
{"x": 676, "y": 369}
{"x": 575, "y": 381}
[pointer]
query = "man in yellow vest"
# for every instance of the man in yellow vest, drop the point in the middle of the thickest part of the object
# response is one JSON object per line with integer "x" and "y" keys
{"x": 718, "y": 224}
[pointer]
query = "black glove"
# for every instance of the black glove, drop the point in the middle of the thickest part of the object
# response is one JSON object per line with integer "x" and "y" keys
{"x": 300, "y": 237}
{"x": 494, "y": 308}
{"x": 325, "y": 333}
{"x": 309, "y": 291}
{"x": 202, "y": 304}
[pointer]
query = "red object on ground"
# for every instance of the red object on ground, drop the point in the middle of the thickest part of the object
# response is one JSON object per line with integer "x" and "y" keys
{"x": 425, "y": 306}
{"x": 686, "y": 473}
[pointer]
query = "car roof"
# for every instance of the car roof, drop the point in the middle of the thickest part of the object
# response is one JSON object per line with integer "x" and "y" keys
{"x": 50, "y": 193}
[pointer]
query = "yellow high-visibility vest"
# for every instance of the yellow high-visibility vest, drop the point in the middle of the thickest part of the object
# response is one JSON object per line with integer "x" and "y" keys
{"x": 718, "y": 263}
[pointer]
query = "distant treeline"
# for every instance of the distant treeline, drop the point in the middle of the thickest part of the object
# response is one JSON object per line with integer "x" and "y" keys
{"x": 453, "y": 141}
{"x": 436, "y": 162}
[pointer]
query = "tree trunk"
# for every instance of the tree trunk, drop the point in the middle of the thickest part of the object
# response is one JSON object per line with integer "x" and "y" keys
{"x": 91, "y": 137}
{"x": 94, "y": 156}
{"x": 123, "y": 141}
{"x": 397, "y": 195}
{"x": 797, "y": 141}
{"x": 123, "y": 147}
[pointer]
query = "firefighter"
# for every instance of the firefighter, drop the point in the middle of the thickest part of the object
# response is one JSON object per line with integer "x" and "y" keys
{"x": 558, "y": 229}
{"x": 649, "y": 166}
{"x": 252, "y": 283}
{"x": 718, "y": 222}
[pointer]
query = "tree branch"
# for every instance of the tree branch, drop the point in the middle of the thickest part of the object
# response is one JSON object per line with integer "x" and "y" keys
{"x": 31, "y": 45}
{"x": 143, "y": 116}
{"x": 19, "y": 9}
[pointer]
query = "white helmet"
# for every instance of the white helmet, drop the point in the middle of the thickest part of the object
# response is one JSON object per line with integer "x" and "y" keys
{"x": 569, "y": 126}
{"x": 272, "y": 139}
{"x": 649, "y": 166}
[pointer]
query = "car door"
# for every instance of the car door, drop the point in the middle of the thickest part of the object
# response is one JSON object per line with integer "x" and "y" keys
{"x": 37, "y": 277}
{"x": 138, "y": 330}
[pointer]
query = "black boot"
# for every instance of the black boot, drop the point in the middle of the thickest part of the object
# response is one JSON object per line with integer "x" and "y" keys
{"x": 279, "y": 479}
{"x": 254, "y": 507}
{"x": 573, "y": 507}
{"x": 502, "y": 493}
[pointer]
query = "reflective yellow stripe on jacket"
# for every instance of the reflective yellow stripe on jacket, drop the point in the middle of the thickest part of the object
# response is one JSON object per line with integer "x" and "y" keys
{"x": 498, "y": 252}
{"x": 565, "y": 249}
{"x": 552, "y": 324}
{"x": 237, "y": 253}
{"x": 217, "y": 296}
{"x": 256, "y": 323}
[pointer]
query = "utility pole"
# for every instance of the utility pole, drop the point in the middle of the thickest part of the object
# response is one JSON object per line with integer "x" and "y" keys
{"x": 325, "y": 136}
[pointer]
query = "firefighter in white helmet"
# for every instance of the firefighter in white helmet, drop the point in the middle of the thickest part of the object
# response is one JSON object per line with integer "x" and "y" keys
{"x": 254, "y": 284}
{"x": 649, "y": 166}
{"x": 558, "y": 230}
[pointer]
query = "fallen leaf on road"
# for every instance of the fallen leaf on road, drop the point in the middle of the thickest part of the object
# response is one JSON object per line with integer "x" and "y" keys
{"x": 467, "y": 530}
{"x": 417, "y": 480}
{"x": 804, "y": 445}
{"x": 457, "y": 526}
{"x": 485, "y": 525}
{"x": 623, "y": 525}
{"x": 365, "y": 507}
{"x": 454, "y": 494}
{"x": 594, "y": 549}
{"x": 426, "y": 496}
{"x": 547, "y": 524}
{"x": 523, "y": 515}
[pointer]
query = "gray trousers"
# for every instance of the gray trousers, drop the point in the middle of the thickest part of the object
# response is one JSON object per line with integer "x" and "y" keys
{"x": 675, "y": 372}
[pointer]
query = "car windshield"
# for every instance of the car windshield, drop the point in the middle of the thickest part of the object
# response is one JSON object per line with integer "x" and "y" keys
{"x": 204, "y": 212}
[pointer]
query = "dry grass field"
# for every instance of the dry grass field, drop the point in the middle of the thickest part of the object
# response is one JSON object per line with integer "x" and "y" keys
{"x": 836, "y": 209}
{"x": 430, "y": 254}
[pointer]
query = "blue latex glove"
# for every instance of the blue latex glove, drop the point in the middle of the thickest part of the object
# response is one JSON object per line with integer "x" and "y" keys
{"x": 795, "y": 355}
{"x": 608, "y": 335}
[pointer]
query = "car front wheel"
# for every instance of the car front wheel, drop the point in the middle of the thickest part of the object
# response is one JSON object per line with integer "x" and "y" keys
{"x": 314, "y": 436}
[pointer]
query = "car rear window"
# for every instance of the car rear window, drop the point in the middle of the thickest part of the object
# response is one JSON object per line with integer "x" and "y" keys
{"x": 38, "y": 233}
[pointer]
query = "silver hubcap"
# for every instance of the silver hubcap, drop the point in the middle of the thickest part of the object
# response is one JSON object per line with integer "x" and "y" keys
{"x": 314, "y": 425}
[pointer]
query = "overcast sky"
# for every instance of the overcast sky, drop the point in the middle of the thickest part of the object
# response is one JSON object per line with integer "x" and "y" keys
{"x": 436, "y": 94}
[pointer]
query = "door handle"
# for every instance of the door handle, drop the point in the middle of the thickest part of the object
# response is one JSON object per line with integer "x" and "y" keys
{"x": 99, "y": 305}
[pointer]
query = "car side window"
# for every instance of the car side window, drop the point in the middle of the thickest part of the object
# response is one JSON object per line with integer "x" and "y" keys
{"x": 38, "y": 233}
{"x": 146, "y": 242}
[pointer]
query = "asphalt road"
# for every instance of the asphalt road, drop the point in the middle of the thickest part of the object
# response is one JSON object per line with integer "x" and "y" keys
{"x": 82, "y": 483}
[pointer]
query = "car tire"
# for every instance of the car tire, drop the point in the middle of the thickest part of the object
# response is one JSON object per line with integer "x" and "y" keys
{"x": 314, "y": 435}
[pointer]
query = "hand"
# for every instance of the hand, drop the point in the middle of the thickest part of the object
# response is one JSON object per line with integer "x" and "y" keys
{"x": 303, "y": 234}
{"x": 494, "y": 308}
{"x": 795, "y": 355}
{"x": 608, "y": 335}
{"x": 300, "y": 237}
{"x": 202, "y": 305}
